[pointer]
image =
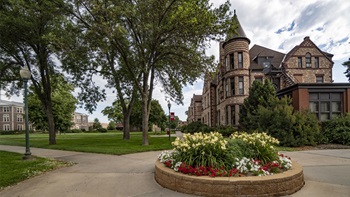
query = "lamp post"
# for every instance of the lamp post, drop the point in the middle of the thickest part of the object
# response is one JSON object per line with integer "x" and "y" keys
{"x": 25, "y": 75}
{"x": 169, "y": 106}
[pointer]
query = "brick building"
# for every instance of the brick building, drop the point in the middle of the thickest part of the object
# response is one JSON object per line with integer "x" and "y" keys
{"x": 11, "y": 116}
{"x": 225, "y": 90}
{"x": 195, "y": 109}
{"x": 81, "y": 121}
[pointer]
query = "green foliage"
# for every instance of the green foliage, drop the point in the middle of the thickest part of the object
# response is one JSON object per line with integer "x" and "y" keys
{"x": 201, "y": 149}
{"x": 259, "y": 146}
{"x": 262, "y": 111}
{"x": 146, "y": 41}
{"x": 63, "y": 106}
{"x": 102, "y": 130}
{"x": 336, "y": 130}
{"x": 225, "y": 130}
{"x": 111, "y": 125}
{"x": 347, "y": 72}
{"x": 259, "y": 95}
{"x": 195, "y": 127}
{"x": 96, "y": 125}
{"x": 291, "y": 128}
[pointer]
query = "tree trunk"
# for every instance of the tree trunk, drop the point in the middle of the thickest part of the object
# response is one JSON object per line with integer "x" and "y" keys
{"x": 51, "y": 124}
{"x": 145, "y": 116}
{"x": 126, "y": 126}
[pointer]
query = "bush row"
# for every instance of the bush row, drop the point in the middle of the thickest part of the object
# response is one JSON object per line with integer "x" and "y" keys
{"x": 290, "y": 128}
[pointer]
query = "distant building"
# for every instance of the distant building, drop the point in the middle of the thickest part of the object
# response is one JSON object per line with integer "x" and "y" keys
{"x": 195, "y": 109}
{"x": 81, "y": 121}
{"x": 12, "y": 116}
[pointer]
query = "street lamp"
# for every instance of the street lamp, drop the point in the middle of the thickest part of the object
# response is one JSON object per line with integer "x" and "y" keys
{"x": 25, "y": 75}
{"x": 169, "y": 106}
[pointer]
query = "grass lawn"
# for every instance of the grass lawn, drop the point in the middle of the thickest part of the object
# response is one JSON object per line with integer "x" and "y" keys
{"x": 13, "y": 169}
{"x": 106, "y": 143}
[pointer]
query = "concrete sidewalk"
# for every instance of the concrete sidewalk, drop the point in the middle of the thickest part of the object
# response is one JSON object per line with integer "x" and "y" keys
{"x": 327, "y": 173}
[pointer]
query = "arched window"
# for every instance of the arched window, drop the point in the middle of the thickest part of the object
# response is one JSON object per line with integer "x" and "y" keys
{"x": 308, "y": 60}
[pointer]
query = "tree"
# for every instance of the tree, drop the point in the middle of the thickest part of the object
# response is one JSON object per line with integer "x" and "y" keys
{"x": 24, "y": 42}
{"x": 347, "y": 72}
{"x": 96, "y": 125}
{"x": 259, "y": 95}
{"x": 174, "y": 123}
{"x": 111, "y": 125}
{"x": 157, "y": 115}
{"x": 154, "y": 40}
{"x": 63, "y": 106}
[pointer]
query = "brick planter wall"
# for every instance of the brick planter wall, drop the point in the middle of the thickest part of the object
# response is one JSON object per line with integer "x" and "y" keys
{"x": 274, "y": 185}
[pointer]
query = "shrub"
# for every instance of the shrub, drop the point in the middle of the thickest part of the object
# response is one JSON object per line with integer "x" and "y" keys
{"x": 200, "y": 149}
{"x": 336, "y": 130}
{"x": 291, "y": 128}
{"x": 258, "y": 146}
{"x": 225, "y": 130}
{"x": 102, "y": 130}
{"x": 194, "y": 127}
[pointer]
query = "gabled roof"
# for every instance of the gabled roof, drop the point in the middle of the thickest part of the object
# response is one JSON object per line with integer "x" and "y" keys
{"x": 308, "y": 43}
{"x": 260, "y": 51}
{"x": 235, "y": 30}
{"x": 10, "y": 103}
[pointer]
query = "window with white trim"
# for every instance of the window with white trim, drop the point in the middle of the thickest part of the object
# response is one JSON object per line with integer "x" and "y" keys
{"x": 6, "y": 127}
{"x": 19, "y": 110}
{"x": 19, "y": 118}
{"x": 6, "y": 118}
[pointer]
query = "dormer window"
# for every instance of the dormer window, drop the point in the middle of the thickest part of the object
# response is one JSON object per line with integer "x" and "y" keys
{"x": 266, "y": 64}
{"x": 308, "y": 60}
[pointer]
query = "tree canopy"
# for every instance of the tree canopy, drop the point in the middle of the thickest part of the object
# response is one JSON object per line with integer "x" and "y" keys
{"x": 24, "y": 42}
{"x": 148, "y": 42}
{"x": 63, "y": 106}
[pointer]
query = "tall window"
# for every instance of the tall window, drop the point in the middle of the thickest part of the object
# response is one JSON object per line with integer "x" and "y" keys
{"x": 319, "y": 79}
{"x": 326, "y": 105}
{"x": 226, "y": 87}
{"x": 227, "y": 63}
{"x": 308, "y": 60}
{"x": 233, "y": 115}
{"x": 240, "y": 85}
{"x": 5, "y": 109}
{"x": 218, "y": 117}
{"x": 232, "y": 86}
{"x": 227, "y": 108}
{"x": 300, "y": 63}
{"x": 317, "y": 62}
{"x": 6, "y": 118}
{"x": 232, "y": 61}
{"x": 6, "y": 127}
{"x": 240, "y": 60}
{"x": 19, "y": 127}
{"x": 19, "y": 118}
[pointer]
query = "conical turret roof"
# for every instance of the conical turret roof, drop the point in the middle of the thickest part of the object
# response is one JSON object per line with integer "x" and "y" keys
{"x": 236, "y": 30}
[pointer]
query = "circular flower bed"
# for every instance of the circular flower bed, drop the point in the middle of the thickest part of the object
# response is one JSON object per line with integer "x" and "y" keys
{"x": 241, "y": 154}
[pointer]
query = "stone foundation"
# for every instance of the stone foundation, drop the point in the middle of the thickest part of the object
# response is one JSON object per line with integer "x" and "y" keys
{"x": 273, "y": 185}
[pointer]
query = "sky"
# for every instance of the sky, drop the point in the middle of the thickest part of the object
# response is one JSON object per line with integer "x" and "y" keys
{"x": 275, "y": 24}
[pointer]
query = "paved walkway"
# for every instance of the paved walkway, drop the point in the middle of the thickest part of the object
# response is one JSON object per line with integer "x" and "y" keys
{"x": 327, "y": 173}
